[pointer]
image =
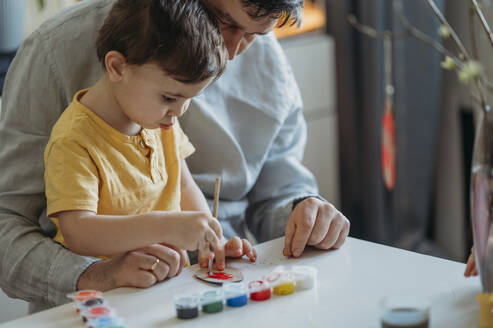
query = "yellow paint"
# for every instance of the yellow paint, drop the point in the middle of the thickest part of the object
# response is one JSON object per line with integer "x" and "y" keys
{"x": 284, "y": 288}
{"x": 485, "y": 314}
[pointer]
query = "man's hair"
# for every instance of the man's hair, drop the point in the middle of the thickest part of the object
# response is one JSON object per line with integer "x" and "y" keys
{"x": 285, "y": 10}
{"x": 181, "y": 36}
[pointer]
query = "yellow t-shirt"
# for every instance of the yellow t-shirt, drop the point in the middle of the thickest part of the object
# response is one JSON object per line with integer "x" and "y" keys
{"x": 91, "y": 166}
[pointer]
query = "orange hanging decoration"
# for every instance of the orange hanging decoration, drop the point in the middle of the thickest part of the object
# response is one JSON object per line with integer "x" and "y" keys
{"x": 388, "y": 146}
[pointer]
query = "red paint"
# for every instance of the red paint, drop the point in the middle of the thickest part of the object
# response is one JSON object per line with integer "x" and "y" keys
{"x": 86, "y": 294}
{"x": 220, "y": 275}
{"x": 261, "y": 295}
{"x": 260, "y": 291}
{"x": 101, "y": 310}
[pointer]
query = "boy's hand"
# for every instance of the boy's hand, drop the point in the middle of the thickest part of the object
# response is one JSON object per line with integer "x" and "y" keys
{"x": 234, "y": 248}
{"x": 197, "y": 230}
{"x": 471, "y": 269}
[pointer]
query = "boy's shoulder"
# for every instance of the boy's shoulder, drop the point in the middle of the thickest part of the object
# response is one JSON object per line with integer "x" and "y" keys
{"x": 74, "y": 125}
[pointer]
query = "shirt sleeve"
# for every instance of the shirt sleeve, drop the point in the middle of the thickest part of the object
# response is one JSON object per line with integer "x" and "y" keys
{"x": 185, "y": 147}
{"x": 32, "y": 266}
{"x": 71, "y": 178}
{"x": 283, "y": 177}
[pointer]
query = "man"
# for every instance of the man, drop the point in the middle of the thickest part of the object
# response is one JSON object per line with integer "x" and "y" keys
{"x": 248, "y": 128}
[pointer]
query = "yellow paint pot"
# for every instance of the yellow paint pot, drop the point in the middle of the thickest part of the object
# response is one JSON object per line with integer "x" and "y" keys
{"x": 284, "y": 288}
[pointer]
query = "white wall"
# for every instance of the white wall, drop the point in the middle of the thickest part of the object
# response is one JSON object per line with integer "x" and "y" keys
{"x": 312, "y": 57}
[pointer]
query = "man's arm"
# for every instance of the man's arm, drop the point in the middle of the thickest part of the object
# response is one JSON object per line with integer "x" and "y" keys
{"x": 32, "y": 266}
{"x": 285, "y": 197}
{"x": 282, "y": 179}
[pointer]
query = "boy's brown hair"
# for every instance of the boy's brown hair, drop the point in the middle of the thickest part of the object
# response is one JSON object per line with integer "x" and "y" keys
{"x": 181, "y": 36}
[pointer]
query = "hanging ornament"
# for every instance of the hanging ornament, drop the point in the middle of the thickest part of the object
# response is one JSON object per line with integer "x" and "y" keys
{"x": 388, "y": 121}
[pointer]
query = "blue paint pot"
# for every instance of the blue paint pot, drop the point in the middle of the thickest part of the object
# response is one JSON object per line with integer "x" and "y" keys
{"x": 236, "y": 294}
{"x": 237, "y": 301}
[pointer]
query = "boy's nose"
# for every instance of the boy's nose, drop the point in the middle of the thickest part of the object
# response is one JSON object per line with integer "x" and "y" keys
{"x": 179, "y": 109}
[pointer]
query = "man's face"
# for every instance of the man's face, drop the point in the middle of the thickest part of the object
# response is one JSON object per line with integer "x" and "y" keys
{"x": 237, "y": 27}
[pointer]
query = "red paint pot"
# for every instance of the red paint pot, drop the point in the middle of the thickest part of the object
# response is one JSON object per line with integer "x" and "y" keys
{"x": 85, "y": 294}
{"x": 259, "y": 290}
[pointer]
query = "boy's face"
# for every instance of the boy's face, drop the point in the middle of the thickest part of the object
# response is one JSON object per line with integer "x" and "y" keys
{"x": 237, "y": 27}
{"x": 152, "y": 99}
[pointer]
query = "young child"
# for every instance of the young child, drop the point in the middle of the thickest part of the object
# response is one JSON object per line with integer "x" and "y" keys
{"x": 115, "y": 174}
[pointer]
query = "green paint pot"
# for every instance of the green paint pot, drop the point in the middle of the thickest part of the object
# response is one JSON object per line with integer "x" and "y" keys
{"x": 212, "y": 301}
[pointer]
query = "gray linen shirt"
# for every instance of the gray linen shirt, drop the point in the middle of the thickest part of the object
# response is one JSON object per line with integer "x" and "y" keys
{"x": 247, "y": 127}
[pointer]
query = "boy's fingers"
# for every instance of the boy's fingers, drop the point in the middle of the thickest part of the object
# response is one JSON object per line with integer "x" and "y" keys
{"x": 248, "y": 250}
{"x": 219, "y": 254}
{"x": 216, "y": 226}
{"x": 203, "y": 262}
{"x": 234, "y": 247}
{"x": 204, "y": 249}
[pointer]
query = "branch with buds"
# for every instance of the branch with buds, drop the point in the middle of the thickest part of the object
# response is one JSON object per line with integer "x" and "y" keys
{"x": 469, "y": 69}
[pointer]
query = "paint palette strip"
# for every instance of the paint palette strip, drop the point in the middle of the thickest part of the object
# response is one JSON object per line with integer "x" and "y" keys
{"x": 279, "y": 282}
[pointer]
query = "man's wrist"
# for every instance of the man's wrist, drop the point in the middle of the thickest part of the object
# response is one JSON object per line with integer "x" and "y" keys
{"x": 97, "y": 276}
{"x": 298, "y": 200}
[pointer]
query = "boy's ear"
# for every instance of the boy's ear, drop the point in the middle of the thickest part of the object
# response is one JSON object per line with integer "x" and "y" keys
{"x": 115, "y": 64}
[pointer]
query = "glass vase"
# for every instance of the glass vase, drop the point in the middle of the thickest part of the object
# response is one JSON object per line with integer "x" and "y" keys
{"x": 482, "y": 197}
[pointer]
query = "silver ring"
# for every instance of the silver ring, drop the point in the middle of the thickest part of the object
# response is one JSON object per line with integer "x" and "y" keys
{"x": 154, "y": 265}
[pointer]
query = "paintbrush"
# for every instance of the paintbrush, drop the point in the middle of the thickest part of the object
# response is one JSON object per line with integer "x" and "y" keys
{"x": 217, "y": 188}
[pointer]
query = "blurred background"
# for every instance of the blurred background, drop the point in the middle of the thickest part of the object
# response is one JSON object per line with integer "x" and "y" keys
{"x": 341, "y": 75}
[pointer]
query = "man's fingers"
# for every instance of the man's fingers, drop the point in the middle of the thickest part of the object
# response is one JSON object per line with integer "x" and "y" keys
{"x": 183, "y": 256}
{"x": 166, "y": 254}
{"x": 288, "y": 238}
{"x": 143, "y": 279}
{"x": 304, "y": 221}
{"x": 335, "y": 228}
{"x": 342, "y": 235}
{"x": 322, "y": 223}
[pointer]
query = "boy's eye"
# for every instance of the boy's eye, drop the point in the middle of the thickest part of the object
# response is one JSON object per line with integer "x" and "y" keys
{"x": 168, "y": 99}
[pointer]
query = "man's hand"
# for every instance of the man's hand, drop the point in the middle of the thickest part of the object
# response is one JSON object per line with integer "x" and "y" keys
{"x": 233, "y": 248}
{"x": 133, "y": 269}
{"x": 314, "y": 222}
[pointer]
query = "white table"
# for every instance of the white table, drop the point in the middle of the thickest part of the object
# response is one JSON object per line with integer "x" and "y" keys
{"x": 351, "y": 281}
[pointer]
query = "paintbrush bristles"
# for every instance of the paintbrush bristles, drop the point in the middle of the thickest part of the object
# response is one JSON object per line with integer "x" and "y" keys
{"x": 217, "y": 188}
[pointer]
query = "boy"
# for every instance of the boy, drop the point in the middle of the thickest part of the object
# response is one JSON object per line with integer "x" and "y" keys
{"x": 115, "y": 173}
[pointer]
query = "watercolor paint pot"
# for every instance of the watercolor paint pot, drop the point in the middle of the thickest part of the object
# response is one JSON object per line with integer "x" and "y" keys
{"x": 83, "y": 295}
{"x": 404, "y": 312}
{"x": 305, "y": 277}
{"x": 212, "y": 301}
{"x": 259, "y": 290}
{"x": 236, "y": 294}
{"x": 275, "y": 275}
{"x": 97, "y": 312}
{"x": 89, "y": 303}
{"x": 284, "y": 286}
{"x": 112, "y": 322}
{"x": 187, "y": 307}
